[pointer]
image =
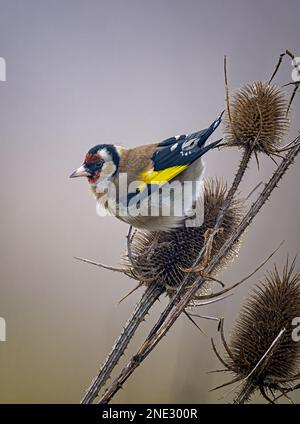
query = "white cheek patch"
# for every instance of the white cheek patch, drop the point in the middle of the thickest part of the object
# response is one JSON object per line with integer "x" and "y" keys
{"x": 104, "y": 153}
{"x": 107, "y": 171}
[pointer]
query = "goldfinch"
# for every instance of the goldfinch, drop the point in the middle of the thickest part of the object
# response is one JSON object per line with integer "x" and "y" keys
{"x": 154, "y": 186}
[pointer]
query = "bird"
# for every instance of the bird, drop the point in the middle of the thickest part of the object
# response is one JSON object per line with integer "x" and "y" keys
{"x": 154, "y": 187}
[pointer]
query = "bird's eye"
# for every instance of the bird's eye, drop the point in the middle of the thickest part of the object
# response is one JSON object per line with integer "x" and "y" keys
{"x": 93, "y": 167}
{"x": 99, "y": 163}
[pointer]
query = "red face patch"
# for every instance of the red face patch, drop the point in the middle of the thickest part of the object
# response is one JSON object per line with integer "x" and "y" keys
{"x": 94, "y": 178}
{"x": 92, "y": 158}
{"x": 93, "y": 162}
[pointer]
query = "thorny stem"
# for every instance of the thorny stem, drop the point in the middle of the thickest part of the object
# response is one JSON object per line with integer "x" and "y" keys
{"x": 135, "y": 320}
{"x": 227, "y": 202}
{"x": 142, "y": 308}
{"x": 167, "y": 319}
{"x": 233, "y": 189}
{"x": 237, "y": 180}
{"x": 119, "y": 348}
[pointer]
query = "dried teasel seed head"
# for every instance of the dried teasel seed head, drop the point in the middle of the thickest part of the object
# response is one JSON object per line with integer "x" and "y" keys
{"x": 257, "y": 118}
{"x": 266, "y": 319}
{"x": 161, "y": 257}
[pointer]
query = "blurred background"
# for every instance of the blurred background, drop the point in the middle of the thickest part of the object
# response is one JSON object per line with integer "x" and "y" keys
{"x": 129, "y": 72}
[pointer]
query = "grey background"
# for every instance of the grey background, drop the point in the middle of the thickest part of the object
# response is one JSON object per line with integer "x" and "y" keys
{"x": 128, "y": 72}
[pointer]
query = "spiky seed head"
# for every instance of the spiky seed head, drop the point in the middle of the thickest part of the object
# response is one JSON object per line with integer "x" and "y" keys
{"x": 272, "y": 307}
{"x": 162, "y": 256}
{"x": 257, "y": 118}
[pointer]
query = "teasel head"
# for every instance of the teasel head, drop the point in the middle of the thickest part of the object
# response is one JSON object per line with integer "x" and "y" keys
{"x": 164, "y": 257}
{"x": 256, "y": 118}
{"x": 264, "y": 351}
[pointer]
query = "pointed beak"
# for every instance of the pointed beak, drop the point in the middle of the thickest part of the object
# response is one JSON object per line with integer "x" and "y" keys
{"x": 80, "y": 172}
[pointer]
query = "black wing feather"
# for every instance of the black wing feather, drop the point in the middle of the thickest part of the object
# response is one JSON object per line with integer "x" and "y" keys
{"x": 184, "y": 149}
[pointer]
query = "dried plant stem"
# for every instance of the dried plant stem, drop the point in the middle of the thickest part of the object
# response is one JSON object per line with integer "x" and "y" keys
{"x": 136, "y": 319}
{"x": 233, "y": 189}
{"x": 227, "y": 97}
{"x": 235, "y": 184}
{"x": 169, "y": 316}
{"x": 142, "y": 308}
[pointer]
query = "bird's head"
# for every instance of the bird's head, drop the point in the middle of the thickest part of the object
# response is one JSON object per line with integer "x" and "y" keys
{"x": 100, "y": 164}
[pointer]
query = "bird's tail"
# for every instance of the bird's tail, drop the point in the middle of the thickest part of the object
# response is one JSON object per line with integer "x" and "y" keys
{"x": 203, "y": 135}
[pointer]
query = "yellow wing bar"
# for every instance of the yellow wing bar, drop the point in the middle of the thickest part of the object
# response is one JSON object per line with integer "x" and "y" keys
{"x": 160, "y": 177}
